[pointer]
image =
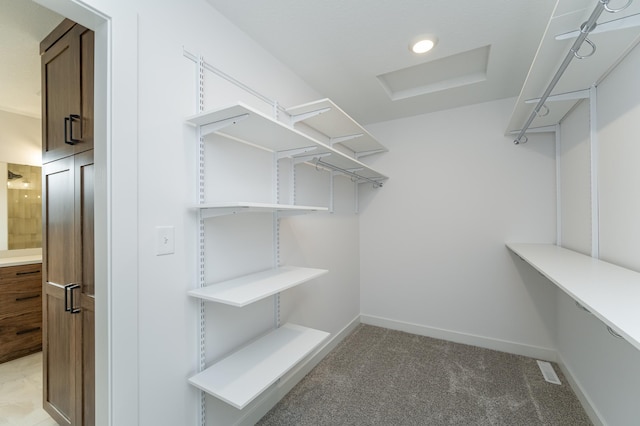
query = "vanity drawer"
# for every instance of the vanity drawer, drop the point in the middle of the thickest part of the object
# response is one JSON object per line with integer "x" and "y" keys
{"x": 11, "y": 274}
{"x": 20, "y": 297}
{"x": 20, "y": 335}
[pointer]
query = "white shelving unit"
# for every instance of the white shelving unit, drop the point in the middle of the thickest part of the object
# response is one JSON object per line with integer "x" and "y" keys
{"x": 609, "y": 292}
{"x": 327, "y": 118}
{"x": 241, "y": 377}
{"x": 234, "y": 207}
{"x": 248, "y": 289}
{"x": 245, "y": 124}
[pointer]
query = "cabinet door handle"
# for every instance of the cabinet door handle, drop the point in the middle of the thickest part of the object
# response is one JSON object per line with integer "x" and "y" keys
{"x": 28, "y": 272}
{"x": 66, "y": 298}
{"x": 68, "y": 129}
{"x": 20, "y": 299}
{"x": 70, "y": 306}
{"x": 28, "y": 330}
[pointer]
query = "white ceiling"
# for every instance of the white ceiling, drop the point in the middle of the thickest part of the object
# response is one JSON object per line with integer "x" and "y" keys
{"x": 356, "y": 51}
{"x": 341, "y": 47}
{"x": 23, "y": 24}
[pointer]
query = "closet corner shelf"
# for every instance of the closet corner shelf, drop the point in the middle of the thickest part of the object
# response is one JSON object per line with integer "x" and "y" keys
{"x": 242, "y": 376}
{"x": 242, "y": 123}
{"x": 327, "y": 118}
{"x": 248, "y": 289}
{"x": 609, "y": 292}
{"x": 234, "y": 207}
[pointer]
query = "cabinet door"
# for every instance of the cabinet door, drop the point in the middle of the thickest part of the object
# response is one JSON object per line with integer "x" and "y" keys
{"x": 85, "y": 383}
{"x": 67, "y": 92}
{"x": 59, "y": 339}
{"x": 68, "y": 258}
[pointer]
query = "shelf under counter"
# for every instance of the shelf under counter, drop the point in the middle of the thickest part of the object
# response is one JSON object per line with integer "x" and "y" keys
{"x": 609, "y": 292}
{"x": 239, "y": 378}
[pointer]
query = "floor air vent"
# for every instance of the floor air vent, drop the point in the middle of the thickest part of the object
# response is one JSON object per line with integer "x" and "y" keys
{"x": 548, "y": 372}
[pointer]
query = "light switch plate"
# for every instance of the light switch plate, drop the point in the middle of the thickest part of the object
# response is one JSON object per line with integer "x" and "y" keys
{"x": 165, "y": 240}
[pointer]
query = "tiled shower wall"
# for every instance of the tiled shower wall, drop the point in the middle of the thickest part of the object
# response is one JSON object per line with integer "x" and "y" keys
{"x": 24, "y": 204}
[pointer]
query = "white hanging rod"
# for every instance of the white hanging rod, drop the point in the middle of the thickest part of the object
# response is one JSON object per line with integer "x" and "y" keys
{"x": 569, "y": 96}
{"x": 585, "y": 29}
{"x": 357, "y": 177}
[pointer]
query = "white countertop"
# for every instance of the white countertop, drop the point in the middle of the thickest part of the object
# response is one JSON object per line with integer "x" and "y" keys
{"x": 20, "y": 260}
{"x": 609, "y": 292}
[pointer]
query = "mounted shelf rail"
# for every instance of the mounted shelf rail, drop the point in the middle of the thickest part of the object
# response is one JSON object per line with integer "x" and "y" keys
{"x": 585, "y": 29}
{"x": 244, "y": 124}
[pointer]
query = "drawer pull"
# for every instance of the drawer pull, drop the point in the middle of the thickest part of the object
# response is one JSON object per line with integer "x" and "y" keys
{"x": 28, "y": 272}
{"x": 28, "y": 330}
{"x": 20, "y": 299}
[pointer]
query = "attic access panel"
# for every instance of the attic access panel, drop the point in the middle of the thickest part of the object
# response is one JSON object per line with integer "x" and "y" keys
{"x": 446, "y": 73}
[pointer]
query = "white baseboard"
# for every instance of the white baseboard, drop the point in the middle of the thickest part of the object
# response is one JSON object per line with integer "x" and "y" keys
{"x": 271, "y": 397}
{"x": 546, "y": 354}
{"x": 585, "y": 401}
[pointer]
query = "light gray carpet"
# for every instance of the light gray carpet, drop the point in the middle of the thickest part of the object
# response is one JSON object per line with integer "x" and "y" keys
{"x": 378, "y": 376}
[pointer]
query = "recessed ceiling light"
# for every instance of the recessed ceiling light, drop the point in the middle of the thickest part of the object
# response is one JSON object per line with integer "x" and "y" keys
{"x": 423, "y": 45}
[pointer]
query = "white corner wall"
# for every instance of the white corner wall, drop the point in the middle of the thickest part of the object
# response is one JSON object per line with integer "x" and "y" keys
{"x": 605, "y": 370}
{"x": 20, "y": 139}
{"x": 432, "y": 240}
{"x": 575, "y": 183}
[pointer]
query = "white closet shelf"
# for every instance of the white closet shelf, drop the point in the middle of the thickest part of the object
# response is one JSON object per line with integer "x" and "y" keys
{"x": 609, "y": 292}
{"x": 248, "y": 289}
{"x": 234, "y": 207}
{"x": 327, "y": 118}
{"x": 247, "y": 125}
{"x": 242, "y": 376}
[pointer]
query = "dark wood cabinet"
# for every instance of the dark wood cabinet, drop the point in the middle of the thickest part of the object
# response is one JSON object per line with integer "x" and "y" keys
{"x": 68, "y": 218}
{"x": 20, "y": 310}
{"x": 68, "y": 285}
{"x": 67, "y": 91}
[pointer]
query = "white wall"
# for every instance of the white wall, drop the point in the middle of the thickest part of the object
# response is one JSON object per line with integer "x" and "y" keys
{"x": 606, "y": 370}
{"x": 432, "y": 240}
{"x": 575, "y": 183}
{"x": 20, "y": 139}
{"x": 234, "y": 245}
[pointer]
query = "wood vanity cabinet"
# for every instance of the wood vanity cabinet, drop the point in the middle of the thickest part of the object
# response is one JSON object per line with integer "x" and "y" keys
{"x": 20, "y": 310}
